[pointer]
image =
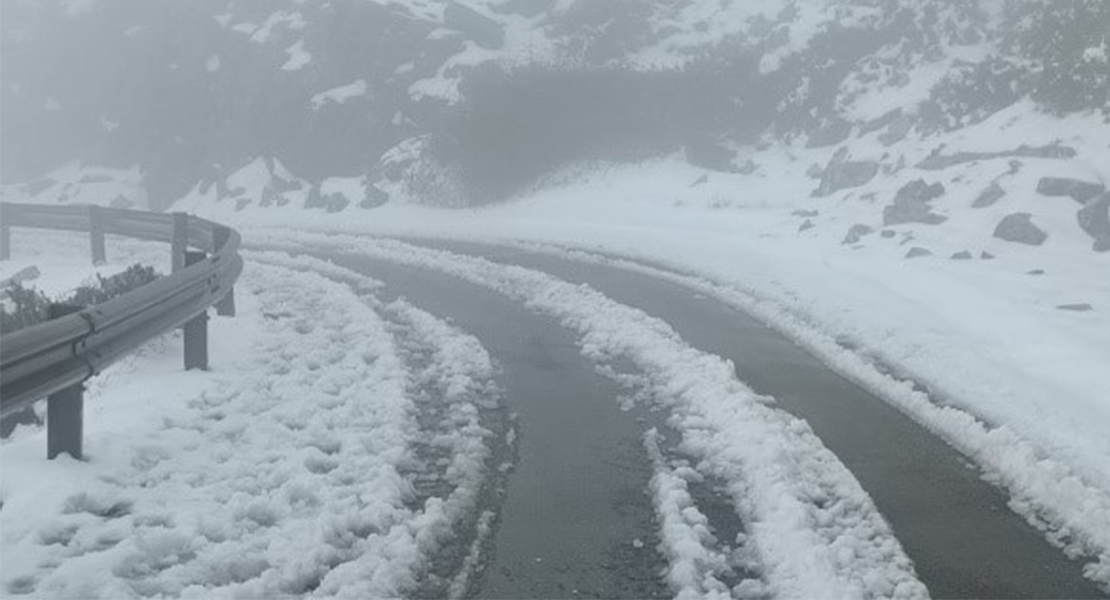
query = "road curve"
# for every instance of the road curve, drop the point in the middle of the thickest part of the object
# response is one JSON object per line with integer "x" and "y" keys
{"x": 577, "y": 518}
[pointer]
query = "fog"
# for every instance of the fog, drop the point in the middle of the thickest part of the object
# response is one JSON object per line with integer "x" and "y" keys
{"x": 191, "y": 91}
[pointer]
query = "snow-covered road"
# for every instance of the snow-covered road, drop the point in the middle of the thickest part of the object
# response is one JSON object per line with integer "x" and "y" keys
{"x": 440, "y": 419}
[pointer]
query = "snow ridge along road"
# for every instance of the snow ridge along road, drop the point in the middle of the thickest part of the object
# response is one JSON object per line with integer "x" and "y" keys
{"x": 857, "y": 556}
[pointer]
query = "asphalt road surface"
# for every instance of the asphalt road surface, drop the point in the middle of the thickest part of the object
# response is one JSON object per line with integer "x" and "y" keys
{"x": 577, "y": 519}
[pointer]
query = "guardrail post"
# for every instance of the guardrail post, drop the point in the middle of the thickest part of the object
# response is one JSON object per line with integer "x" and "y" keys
{"x": 65, "y": 409}
{"x": 180, "y": 243}
{"x": 226, "y": 306}
{"x": 96, "y": 234}
{"x": 196, "y": 330}
{"x": 5, "y": 241}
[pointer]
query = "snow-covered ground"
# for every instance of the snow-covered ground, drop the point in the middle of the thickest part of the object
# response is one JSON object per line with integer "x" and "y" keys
{"x": 1008, "y": 340}
{"x": 288, "y": 468}
{"x": 998, "y": 347}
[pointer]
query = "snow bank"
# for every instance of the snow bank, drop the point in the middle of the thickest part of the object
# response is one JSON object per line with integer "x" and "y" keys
{"x": 286, "y": 470}
{"x": 816, "y": 531}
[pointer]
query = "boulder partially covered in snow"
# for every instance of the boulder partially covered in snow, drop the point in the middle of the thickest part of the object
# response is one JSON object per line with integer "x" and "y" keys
{"x": 911, "y": 204}
{"x": 710, "y": 154}
{"x": 993, "y": 193}
{"x": 856, "y": 232}
{"x": 1080, "y": 191}
{"x": 1019, "y": 228}
{"x": 1094, "y": 218}
{"x": 842, "y": 173}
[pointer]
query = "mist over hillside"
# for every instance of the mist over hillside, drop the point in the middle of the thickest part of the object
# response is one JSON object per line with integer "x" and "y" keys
{"x": 470, "y": 102}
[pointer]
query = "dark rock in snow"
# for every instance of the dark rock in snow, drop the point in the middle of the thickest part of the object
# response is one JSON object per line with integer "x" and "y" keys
{"x": 937, "y": 161}
{"x": 1094, "y": 218}
{"x": 704, "y": 179}
{"x": 989, "y": 196}
{"x": 1080, "y": 191}
{"x": 984, "y": 255}
{"x": 1018, "y": 227}
{"x": 336, "y": 202}
{"x": 711, "y": 155}
{"x": 856, "y": 232}
{"x": 842, "y": 173}
{"x": 896, "y": 131}
{"x": 888, "y": 233}
{"x": 911, "y": 204}
{"x": 375, "y": 197}
{"x": 480, "y": 29}
{"x": 1035, "y": 272}
{"x": 917, "y": 252}
{"x": 1079, "y": 307}
{"x": 242, "y": 203}
{"x": 805, "y": 213}
{"x": 815, "y": 171}
{"x": 807, "y": 224}
{"x": 963, "y": 255}
{"x": 36, "y": 187}
{"x": 829, "y": 134}
{"x": 121, "y": 202}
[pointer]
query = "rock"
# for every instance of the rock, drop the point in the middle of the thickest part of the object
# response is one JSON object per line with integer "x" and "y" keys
{"x": 1080, "y": 307}
{"x": 911, "y": 204}
{"x": 335, "y": 202}
{"x": 888, "y": 233}
{"x": 242, "y": 203}
{"x": 375, "y": 197}
{"x": 704, "y": 179}
{"x": 1018, "y": 227}
{"x": 989, "y": 196}
{"x": 896, "y": 131}
{"x": 842, "y": 173}
{"x": 747, "y": 167}
{"x": 712, "y": 155}
{"x": 829, "y": 133}
{"x": 477, "y": 27}
{"x": 937, "y": 161}
{"x": 918, "y": 251}
{"x": 120, "y": 202}
{"x": 1080, "y": 191}
{"x": 1035, "y": 272}
{"x": 805, "y": 213}
{"x": 963, "y": 255}
{"x": 815, "y": 171}
{"x": 984, "y": 255}
{"x": 1094, "y": 218}
{"x": 856, "y": 232}
{"x": 36, "y": 187}
{"x": 807, "y": 224}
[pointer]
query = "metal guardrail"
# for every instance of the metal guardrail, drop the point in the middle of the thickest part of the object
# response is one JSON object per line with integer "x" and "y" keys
{"x": 55, "y": 358}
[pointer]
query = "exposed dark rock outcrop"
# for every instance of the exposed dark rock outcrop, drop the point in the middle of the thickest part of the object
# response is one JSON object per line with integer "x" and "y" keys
{"x": 856, "y": 232}
{"x": 1094, "y": 218}
{"x": 993, "y": 193}
{"x": 1080, "y": 191}
{"x": 911, "y": 204}
{"x": 918, "y": 252}
{"x": 842, "y": 173}
{"x": 1019, "y": 228}
{"x": 963, "y": 255}
{"x": 938, "y": 161}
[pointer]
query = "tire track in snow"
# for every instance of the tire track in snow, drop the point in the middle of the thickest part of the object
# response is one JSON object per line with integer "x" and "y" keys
{"x": 816, "y": 531}
{"x": 459, "y": 459}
